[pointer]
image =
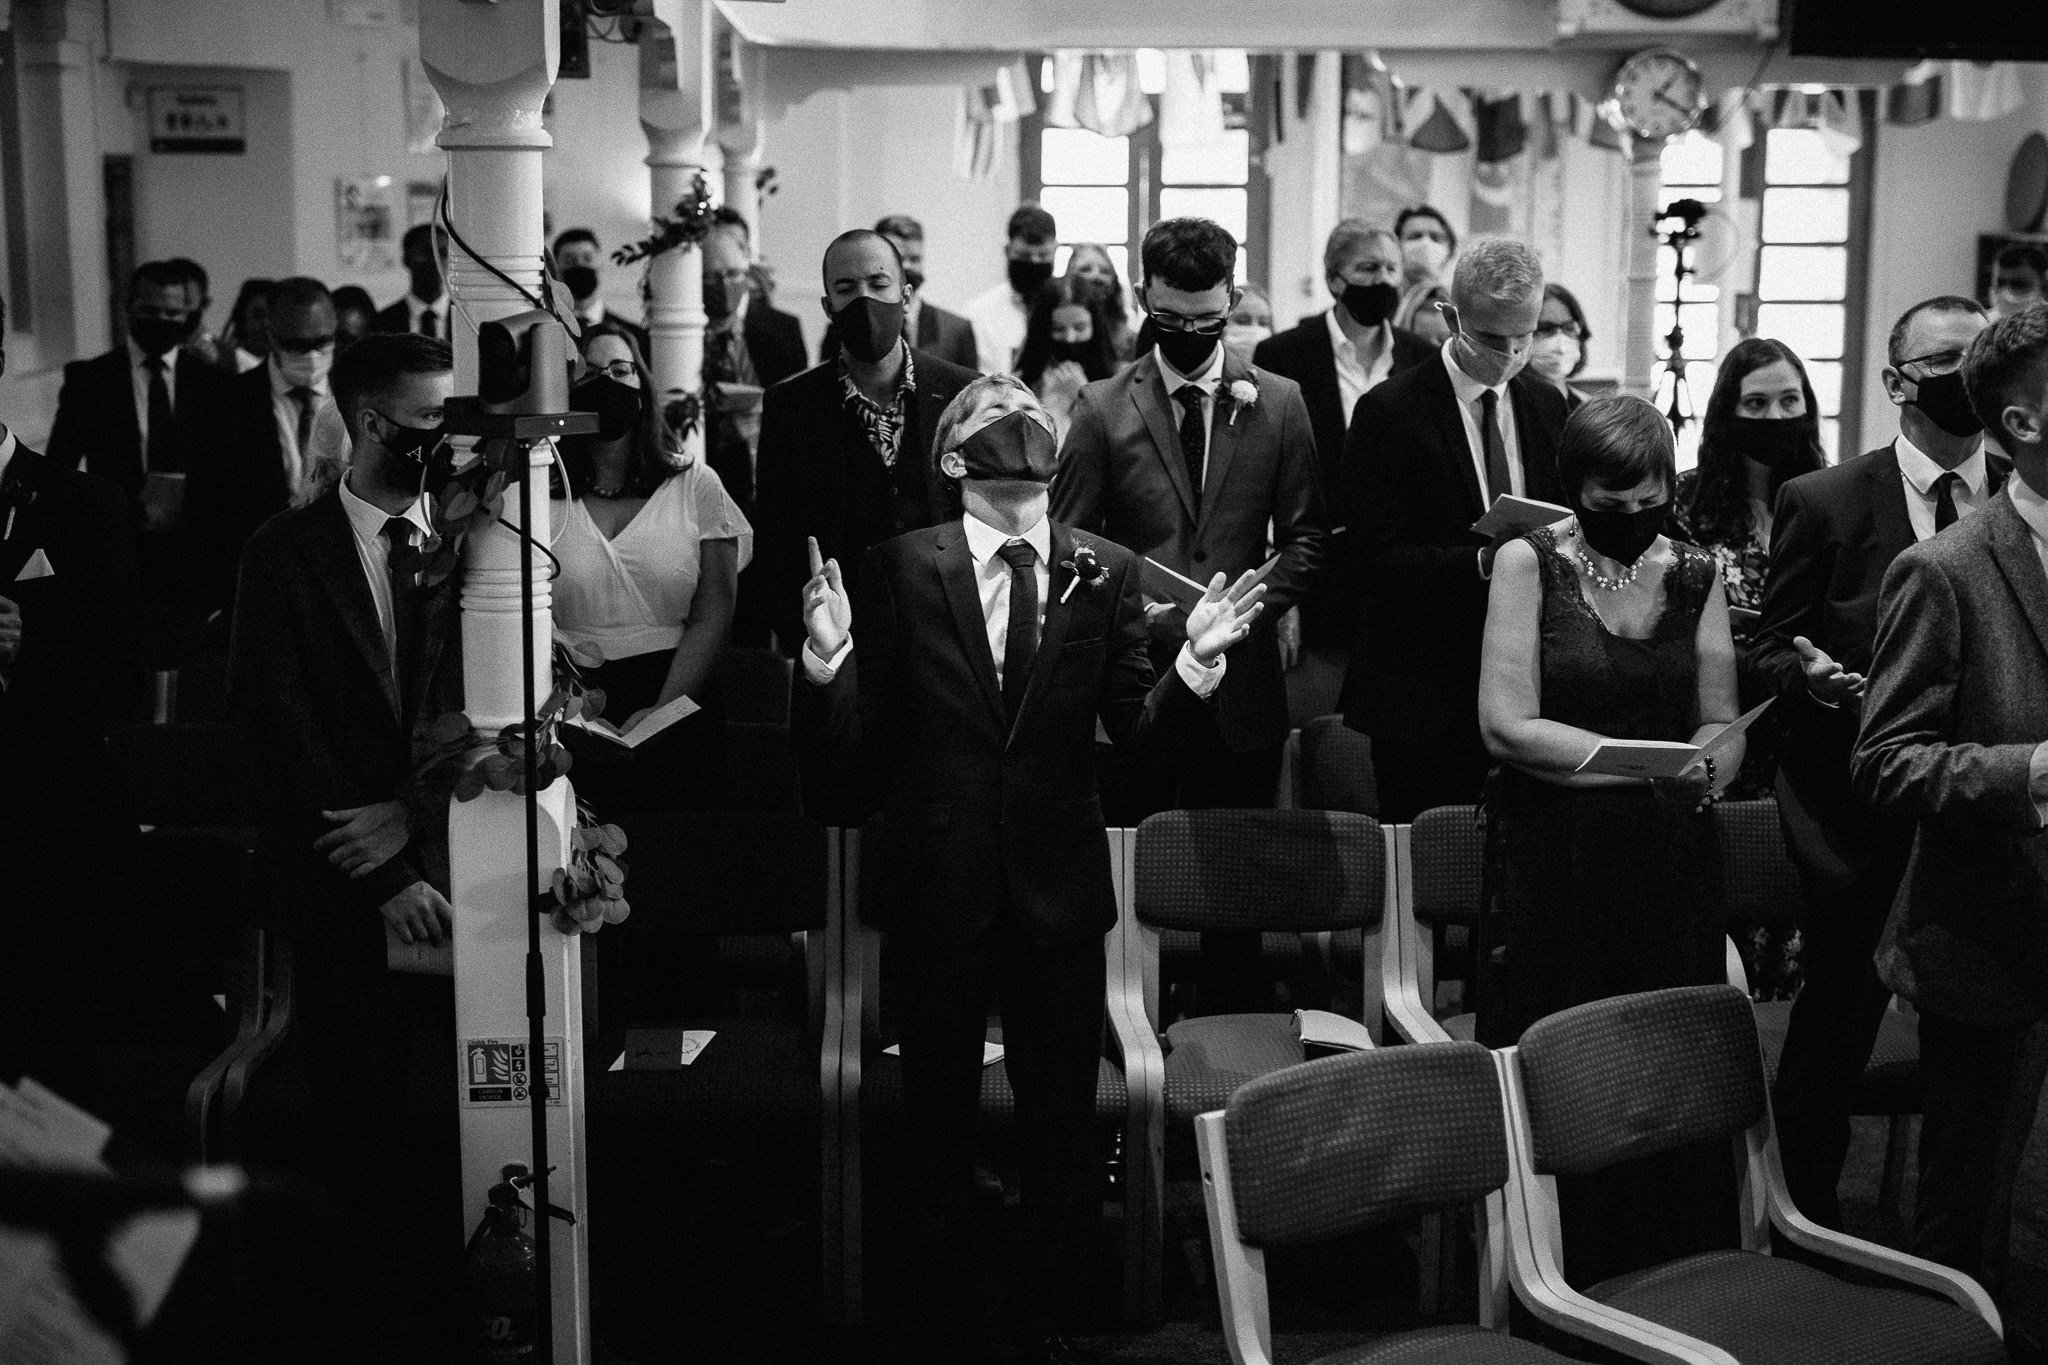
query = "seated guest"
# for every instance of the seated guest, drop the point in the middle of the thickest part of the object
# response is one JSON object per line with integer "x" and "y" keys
{"x": 1428, "y": 242}
{"x": 355, "y": 315}
{"x": 424, "y": 309}
{"x": 1066, "y": 346}
{"x": 342, "y": 657}
{"x": 1093, "y": 266}
{"x": 651, "y": 548}
{"x": 841, "y": 455}
{"x": 1559, "y": 351}
{"x": 578, "y": 258}
{"x": 1032, "y": 240}
{"x": 246, "y": 340}
{"x": 926, "y": 326}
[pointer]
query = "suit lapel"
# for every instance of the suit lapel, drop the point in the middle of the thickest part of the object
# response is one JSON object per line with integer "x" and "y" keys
{"x": 328, "y": 542}
{"x": 1058, "y": 616}
{"x": 1451, "y": 432}
{"x": 1226, "y": 422}
{"x": 1148, "y": 392}
{"x": 1888, "y": 505}
{"x": 20, "y": 490}
{"x": 956, "y": 578}
{"x": 2012, "y": 546}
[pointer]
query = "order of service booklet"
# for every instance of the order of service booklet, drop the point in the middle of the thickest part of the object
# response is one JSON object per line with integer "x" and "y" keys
{"x": 637, "y": 734}
{"x": 1514, "y": 516}
{"x": 1324, "y": 1034}
{"x": 1664, "y": 757}
{"x": 1162, "y": 584}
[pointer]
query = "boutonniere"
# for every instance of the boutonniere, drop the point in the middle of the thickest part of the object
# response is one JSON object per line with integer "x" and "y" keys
{"x": 1243, "y": 394}
{"x": 1084, "y": 567}
{"x": 15, "y": 496}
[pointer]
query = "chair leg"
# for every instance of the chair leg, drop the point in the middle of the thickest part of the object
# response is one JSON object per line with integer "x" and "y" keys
{"x": 1898, "y": 1137}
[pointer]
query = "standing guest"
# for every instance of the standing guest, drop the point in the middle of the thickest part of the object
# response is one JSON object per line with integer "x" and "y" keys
{"x": 341, "y": 659}
{"x": 1835, "y": 534}
{"x": 1559, "y": 351}
{"x": 1336, "y": 356}
{"x": 1422, "y": 312}
{"x": 578, "y": 258}
{"x": 246, "y": 342}
{"x": 842, "y": 445}
{"x": 998, "y": 312}
{"x": 970, "y": 682}
{"x": 1092, "y": 264}
{"x": 1194, "y": 459}
{"x": 651, "y": 547}
{"x": 424, "y": 309}
{"x": 1066, "y": 348}
{"x": 760, "y": 339}
{"x": 1954, "y": 720}
{"x": 199, "y": 289}
{"x": 926, "y": 326}
{"x": 1426, "y": 454}
{"x": 1428, "y": 243}
{"x": 2019, "y": 278}
{"x": 1250, "y": 323}
{"x": 355, "y": 315}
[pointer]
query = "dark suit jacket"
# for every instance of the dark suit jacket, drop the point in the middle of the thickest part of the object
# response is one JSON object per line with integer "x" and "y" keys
{"x": 1834, "y": 533}
{"x": 1957, "y": 703}
{"x": 984, "y": 814}
{"x": 309, "y": 680}
{"x": 946, "y": 335}
{"x": 817, "y": 475}
{"x": 1411, "y": 496}
{"x": 96, "y": 430}
{"x": 236, "y": 483}
{"x": 78, "y": 665}
{"x": 775, "y": 343}
{"x": 396, "y": 317}
{"x": 1122, "y": 475}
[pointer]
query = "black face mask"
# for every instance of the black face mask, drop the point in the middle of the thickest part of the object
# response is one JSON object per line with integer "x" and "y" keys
{"x": 581, "y": 279}
{"x": 913, "y": 277}
{"x": 156, "y": 336}
{"x": 1028, "y": 277}
{"x": 617, "y": 405}
{"x": 717, "y": 304}
{"x": 869, "y": 328}
{"x": 1188, "y": 352}
{"x": 410, "y": 443}
{"x": 1371, "y": 304}
{"x": 1623, "y": 536}
{"x": 1011, "y": 447}
{"x": 1076, "y": 351}
{"x": 1947, "y": 404}
{"x": 1773, "y": 442}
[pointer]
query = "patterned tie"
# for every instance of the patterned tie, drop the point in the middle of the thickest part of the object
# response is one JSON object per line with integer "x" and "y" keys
{"x": 1020, "y": 645}
{"x": 1499, "y": 483}
{"x": 156, "y": 453}
{"x": 1194, "y": 437}
{"x": 1945, "y": 500}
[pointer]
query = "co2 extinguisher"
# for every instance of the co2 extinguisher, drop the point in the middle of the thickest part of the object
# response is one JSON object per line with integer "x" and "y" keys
{"x": 498, "y": 1278}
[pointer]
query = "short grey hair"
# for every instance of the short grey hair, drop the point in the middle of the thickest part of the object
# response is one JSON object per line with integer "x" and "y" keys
{"x": 1497, "y": 268}
{"x": 1349, "y": 237}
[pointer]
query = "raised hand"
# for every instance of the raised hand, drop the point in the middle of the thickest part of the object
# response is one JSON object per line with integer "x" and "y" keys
{"x": 828, "y": 615}
{"x": 1224, "y": 616}
{"x": 1827, "y": 680}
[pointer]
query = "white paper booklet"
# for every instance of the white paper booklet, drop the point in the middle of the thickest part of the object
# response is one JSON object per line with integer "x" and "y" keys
{"x": 1322, "y": 1033}
{"x": 648, "y": 726}
{"x": 1664, "y": 757}
{"x": 1516, "y": 515}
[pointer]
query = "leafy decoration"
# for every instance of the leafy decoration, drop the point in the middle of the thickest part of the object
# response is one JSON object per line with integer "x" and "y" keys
{"x": 689, "y": 225}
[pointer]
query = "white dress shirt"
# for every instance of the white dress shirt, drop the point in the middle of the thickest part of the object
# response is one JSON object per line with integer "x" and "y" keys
{"x": 8, "y": 445}
{"x": 367, "y": 521}
{"x": 1354, "y": 376}
{"x": 1468, "y": 390}
{"x": 329, "y": 432}
{"x": 1918, "y": 472}
{"x": 138, "y": 384}
{"x": 415, "y": 305}
{"x": 1208, "y": 381}
{"x": 998, "y": 316}
{"x": 992, "y": 586}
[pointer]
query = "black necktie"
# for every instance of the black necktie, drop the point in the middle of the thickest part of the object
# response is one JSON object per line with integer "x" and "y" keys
{"x": 430, "y": 323}
{"x": 157, "y": 452}
{"x": 1499, "y": 483}
{"x": 1194, "y": 437}
{"x": 401, "y": 564}
{"x": 1020, "y": 646}
{"x": 304, "y": 427}
{"x": 1945, "y": 500}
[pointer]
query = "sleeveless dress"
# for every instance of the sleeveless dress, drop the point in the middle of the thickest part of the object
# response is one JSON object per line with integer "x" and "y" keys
{"x": 1600, "y": 892}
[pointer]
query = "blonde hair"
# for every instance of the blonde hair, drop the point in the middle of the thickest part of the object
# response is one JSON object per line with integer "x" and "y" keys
{"x": 989, "y": 396}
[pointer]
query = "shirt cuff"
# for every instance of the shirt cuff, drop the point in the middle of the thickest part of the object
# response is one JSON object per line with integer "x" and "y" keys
{"x": 2037, "y": 782}
{"x": 822, "y": 671}
{"x": 1201, "y": 681}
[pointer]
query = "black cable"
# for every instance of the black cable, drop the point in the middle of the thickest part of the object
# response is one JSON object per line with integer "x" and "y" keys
{"x": 448, "y": 226}
{"x": 555, "y": 565}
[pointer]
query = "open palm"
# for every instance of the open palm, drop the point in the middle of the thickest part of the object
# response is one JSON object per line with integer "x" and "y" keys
{"x": 1224, "y": 616}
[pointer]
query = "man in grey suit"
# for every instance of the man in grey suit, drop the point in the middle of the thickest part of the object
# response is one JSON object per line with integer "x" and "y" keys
{"x": 1955, "y": 739}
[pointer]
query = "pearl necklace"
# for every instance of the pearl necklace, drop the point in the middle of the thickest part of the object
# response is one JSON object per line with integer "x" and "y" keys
{"x": 596, "y": 492}
{"x": 1601, "y": 580}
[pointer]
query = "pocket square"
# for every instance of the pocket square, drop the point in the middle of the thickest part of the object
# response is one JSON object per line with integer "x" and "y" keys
{"x": 38, "y": 566}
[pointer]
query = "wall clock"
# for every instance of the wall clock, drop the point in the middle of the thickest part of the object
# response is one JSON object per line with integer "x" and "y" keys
{"x": 1658, "y": 92}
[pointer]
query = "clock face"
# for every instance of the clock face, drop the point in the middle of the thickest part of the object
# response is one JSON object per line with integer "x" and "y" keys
{"x": 1668, "y": 9}
{"x": 1658, "y": 93}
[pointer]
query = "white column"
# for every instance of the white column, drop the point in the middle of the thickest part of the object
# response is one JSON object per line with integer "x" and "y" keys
{"x": 741, "y": 130}
{"x": 493, "y": 66}
{"x": 675, "y": 111}
{"x": 66, "y": 206}
{"x": 1639, "y": 304}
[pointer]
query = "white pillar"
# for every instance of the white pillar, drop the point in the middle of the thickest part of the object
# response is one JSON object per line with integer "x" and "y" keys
{"x": 493, "y": 66}
{"x": 675, "y": 111}
{"x": 741, "y": 129}
{"x": 1639, "y": 306}
{"x": 66, "y": 206}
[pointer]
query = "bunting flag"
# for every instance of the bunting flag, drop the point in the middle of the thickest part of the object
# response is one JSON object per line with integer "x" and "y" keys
{"x": 1441, "y": 119}
{"x": 977, "y": 145}
{"x": 1098, "y": 91}
{"x": 1503, "y": 131}
{"x": 1191, "y": 104}
{"x": 1981, "y": 91}
{"x": 1917, "y": 98}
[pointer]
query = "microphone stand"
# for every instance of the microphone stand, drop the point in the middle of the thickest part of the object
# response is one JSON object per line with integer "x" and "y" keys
{"x": 1689, "y": 213}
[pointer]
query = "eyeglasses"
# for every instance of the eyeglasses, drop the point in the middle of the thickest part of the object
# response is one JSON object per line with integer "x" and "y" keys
{"x": 301, "y": 345}
{"x": 1566, "y": 329}
{"x": 1201, "y": 327}
{"x": 1936, "y": 362}
{"x": 616, "y": 369}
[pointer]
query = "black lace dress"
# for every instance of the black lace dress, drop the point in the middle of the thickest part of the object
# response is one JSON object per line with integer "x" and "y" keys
{"x": 1598, "y": 892}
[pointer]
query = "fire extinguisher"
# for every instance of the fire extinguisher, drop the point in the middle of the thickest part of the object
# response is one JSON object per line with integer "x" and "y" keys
{"x": 498, "y": 1277}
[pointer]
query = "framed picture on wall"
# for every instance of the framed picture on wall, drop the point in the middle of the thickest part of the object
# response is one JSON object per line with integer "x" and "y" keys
{"x": 365, "y": 230}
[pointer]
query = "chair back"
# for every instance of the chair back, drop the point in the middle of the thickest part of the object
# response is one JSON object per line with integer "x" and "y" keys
{"x": 1283, "y": 871}
{"x": 726, "y": 872}
{"x": 756, "y": 684}
{"x": 1637, "y": 1075}
{"x": 1758, "y": 881}
{"x": 1447, "y": 850}
{"x": 1329, "y": 1147}
{"x": 1336, "y": 768}
{"x": 185, "y": 776}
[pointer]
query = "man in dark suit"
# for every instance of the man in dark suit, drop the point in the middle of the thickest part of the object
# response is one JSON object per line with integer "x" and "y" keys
{"x": 773, "y": 339}
{"x": 1955, "y": 741}
{"x": 1336, "y": 356}
{"x": 1426, "y": 454}
{"x": 966, "y": 714}
{"x": 1833, "y": 535}
{"x": 341, "y": 658}
{"x": 578, "y": 259}
{"x": 926, "y": 326}
{"x": 424, "y": 309}
{"x": 843, "y": 450}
